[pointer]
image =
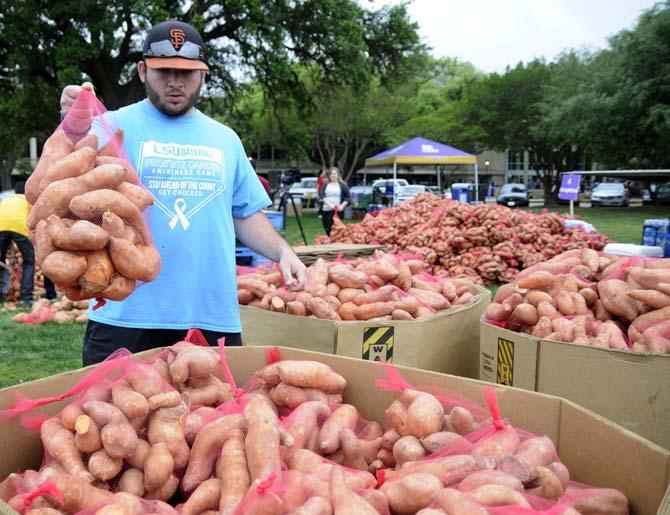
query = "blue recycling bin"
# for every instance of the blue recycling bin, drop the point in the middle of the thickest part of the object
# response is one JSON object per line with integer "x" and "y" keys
{"x": 656, "y": 232}
{"x": 460, "y": 194}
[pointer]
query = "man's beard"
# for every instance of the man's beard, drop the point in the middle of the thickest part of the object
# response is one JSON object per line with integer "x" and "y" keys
{"x": 164, "y": 107}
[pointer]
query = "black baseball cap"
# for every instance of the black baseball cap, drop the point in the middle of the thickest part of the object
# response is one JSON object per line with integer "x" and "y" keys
{"x": 174, "y": 44}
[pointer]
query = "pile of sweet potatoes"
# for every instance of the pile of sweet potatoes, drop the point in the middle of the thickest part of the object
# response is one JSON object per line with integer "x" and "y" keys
{"x": 486, "y": 243}
{"x": 590, "y": 298}
{"x": 381, "y": 287}
{"x": 169, "y": 432}
{"x": 61, "y": 311}
{"x": 86, "y": 219}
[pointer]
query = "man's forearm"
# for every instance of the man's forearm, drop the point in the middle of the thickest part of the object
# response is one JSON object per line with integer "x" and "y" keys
{"x": 257, "y": 233}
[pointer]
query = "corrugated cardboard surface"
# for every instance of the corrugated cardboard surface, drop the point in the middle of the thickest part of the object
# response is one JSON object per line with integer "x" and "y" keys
{"x": 308, "y": 254}
{"x": 632, "y": 390}
{"x": 595, "y": 450}
{"x": 447, "y": 342}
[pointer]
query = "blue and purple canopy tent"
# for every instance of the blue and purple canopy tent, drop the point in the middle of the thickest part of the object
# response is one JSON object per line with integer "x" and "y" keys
{"x": 421, "y": 151}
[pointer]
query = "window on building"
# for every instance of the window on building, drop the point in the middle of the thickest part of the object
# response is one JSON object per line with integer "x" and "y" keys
{"x": 514, "y": 160}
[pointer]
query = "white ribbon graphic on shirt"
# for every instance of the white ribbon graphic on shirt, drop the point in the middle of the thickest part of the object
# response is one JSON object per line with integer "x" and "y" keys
{"x": 179, "y": 206}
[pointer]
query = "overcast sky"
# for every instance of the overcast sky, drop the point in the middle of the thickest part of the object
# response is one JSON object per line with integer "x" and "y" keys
{"x": 492, "y": 34}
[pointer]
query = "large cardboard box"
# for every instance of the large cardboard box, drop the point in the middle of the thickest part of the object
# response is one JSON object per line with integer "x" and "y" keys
{"x": 446, "y": 342}
{"x": 631, "y": 389}
{"x": 595, "y": 450}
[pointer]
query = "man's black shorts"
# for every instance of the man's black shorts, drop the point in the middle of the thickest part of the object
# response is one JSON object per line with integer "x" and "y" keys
{"x": 102, "y": 339}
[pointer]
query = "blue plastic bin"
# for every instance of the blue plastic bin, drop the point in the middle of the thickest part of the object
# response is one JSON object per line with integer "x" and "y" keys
{"x": 244, "y": 256}
{"x": 461, "y": 194}
{"x": 276, "y": 219}
{"x": 656, "y": 233}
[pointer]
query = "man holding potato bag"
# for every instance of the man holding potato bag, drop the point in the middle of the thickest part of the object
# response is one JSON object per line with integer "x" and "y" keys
{"x": 205, "y": 193}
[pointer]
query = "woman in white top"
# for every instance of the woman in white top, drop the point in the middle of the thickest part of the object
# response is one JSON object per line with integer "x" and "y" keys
{"x": 334, "y": 197}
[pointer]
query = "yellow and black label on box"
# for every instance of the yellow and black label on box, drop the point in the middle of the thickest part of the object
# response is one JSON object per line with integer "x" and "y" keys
{"x": 505, "y": 362}
{"x": 378, "y": 344}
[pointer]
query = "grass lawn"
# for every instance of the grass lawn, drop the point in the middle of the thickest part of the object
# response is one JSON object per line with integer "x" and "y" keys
{"x": 31, "y": 352}
{"x": 622, "y": 224}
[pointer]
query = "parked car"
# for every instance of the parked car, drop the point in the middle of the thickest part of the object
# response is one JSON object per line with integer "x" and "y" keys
{"x": 383, "y": 184}
{"x": 646, "y": 196}
{"x": 663, "y": 193}
{"x": 610, "y": 194}
{"x": 513, "y": 195}
{"x": 305, "y": 189}
{"x": 409, "y": 192}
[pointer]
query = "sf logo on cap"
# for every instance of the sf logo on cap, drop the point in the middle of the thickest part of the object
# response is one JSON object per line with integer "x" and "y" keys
{"x": 177, "y": 38}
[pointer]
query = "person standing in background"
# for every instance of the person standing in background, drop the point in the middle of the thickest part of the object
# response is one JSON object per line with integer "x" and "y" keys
{"x": 14, "y": 228}
{"x": 320, "y": 181}
{"x": 334, "y": 197}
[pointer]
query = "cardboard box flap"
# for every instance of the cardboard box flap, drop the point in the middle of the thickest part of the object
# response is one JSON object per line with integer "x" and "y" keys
{"x": 507, "y": 357}
{"x": 601, "y": 453}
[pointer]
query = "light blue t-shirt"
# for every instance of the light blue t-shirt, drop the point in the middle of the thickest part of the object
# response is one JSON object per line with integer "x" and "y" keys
{"x": 200, "y": 177}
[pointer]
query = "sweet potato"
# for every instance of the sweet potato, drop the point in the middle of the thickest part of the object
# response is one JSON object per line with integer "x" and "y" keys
{"x": 42, "y": 241}
{"x": 433, "y": 443}
{"x": 205, "y": 497}
{"x": 59, "y": 443}
{"x": 87, "y": 434}
{"x": 303, "y": 423}
{"x": 411, "y": 493}
{"x": 137, "y": 194}
{"x": 208, "y": 391}
{"x": 457, "y": 503}
{"x": 534, "y": 297}
{"x": 56, "y": 197}
{"x": 347, "y": 277}
{"x": 347, "y": 311}
{"x": 158, "y": 466}
{"x": 502, "y": 443}
{"x": 139, "y": 262}
{"x": 98, "y": 274}
{"x": 536, "y": 451}
{"x": 64, "y": 268}
{"x": 498, "y": 495}
{"x": 540, "y": 280}
{"x": 103, "y": 466}
{"x": 131, "y": 174}
{"x": 652, "y": 298}
{"x": 408, "y": 448}
{"x": 132, "y": 482}
{"x": 57, "y": 146}
{"x": 207, "y": 447}
{"x": 525, "y": 314}
{"x": 69, "y": 415}
{"x": 614, "y": 296}
{"x": 344, "y": 417}
{"x": 262, "y": 440}
{"x": 461, "y": 420}
{"x": 309, "y": 374}
{"x": 166, "y": 491}
{"x": 296, "y": 308}
{"x": 78, "y": 495}
{"x": 119, "y": 288}
{"x": 92, "y": 205}
{"x": 193, "y": 361}
{"x": 82, "y": 235}
{"x": 424, "y": 413}
{"x": 434, "y": 300}
{"x": 490, "y": 477}
{"x": 231, "y": 469}
{"x": 74, "y": 164}
{"x": 374, "y": 310}
{"x": 345, "y": 500}
{"x": 322, "y": 309}
{"x": 598, "y": 501}
{"x": 649, "y": 278}
{"x": 140, "y": 455}
{"x": 349, "y": 294}
{"x": 382, "y": 294}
